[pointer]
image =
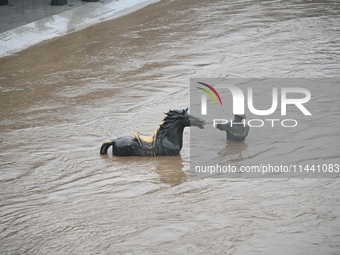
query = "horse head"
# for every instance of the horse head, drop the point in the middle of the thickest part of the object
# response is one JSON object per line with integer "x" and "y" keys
{"x": 187, "y": 119}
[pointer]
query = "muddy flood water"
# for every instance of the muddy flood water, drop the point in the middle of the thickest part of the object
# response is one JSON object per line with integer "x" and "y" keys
{"x": 60, "y": 100}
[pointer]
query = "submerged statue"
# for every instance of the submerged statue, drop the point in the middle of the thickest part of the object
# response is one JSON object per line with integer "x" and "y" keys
{"x": 237, "y": 131}
{"x": 166, "y": 141}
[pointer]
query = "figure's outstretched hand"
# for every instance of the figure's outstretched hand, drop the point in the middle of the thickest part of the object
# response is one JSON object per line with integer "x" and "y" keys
{"x": 222, "y": 127}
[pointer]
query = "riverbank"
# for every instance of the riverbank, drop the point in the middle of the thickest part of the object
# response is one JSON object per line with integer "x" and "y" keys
{"x": 27, "y": 24}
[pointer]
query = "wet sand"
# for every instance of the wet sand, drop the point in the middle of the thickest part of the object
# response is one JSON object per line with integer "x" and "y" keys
{"x": 61, "y": 100}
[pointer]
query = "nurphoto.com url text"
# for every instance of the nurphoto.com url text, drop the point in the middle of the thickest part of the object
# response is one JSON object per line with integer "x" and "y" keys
{"x": 269, "y": 168}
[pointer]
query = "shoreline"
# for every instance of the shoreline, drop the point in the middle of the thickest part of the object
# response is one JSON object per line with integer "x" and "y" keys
{"x": 20, "y": 38}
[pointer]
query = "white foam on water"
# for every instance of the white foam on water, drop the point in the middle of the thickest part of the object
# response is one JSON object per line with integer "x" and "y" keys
{"x": 78, "y": 18}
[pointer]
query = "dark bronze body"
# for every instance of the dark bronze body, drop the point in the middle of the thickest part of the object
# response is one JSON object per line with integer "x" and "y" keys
{"x": 167, "y": 139}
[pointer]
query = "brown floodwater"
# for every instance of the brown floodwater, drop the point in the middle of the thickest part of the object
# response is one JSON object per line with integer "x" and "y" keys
{"x": 59, "y": 101}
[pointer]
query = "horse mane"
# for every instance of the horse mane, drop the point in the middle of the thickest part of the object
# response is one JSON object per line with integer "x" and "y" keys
{"x": 171, "y": 117}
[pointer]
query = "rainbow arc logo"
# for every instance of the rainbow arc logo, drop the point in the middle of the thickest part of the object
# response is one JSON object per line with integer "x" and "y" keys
{"x": 211, "y": 92}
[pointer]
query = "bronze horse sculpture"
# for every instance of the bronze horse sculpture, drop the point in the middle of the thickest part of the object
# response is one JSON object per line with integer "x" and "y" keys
{"x": 166, "y": 141}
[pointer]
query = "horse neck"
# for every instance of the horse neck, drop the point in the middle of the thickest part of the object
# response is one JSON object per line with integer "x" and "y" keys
{"x": 175, "y": 133}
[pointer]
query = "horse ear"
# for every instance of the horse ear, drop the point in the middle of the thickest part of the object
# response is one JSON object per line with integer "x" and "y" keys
{"x": 186, "y": 109}
{"x": 183, "y": 112}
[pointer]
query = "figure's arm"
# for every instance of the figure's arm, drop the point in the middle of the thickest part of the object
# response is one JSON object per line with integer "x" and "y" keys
{"x": 236, "y": 133}
{"x": 223, "y": 127}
